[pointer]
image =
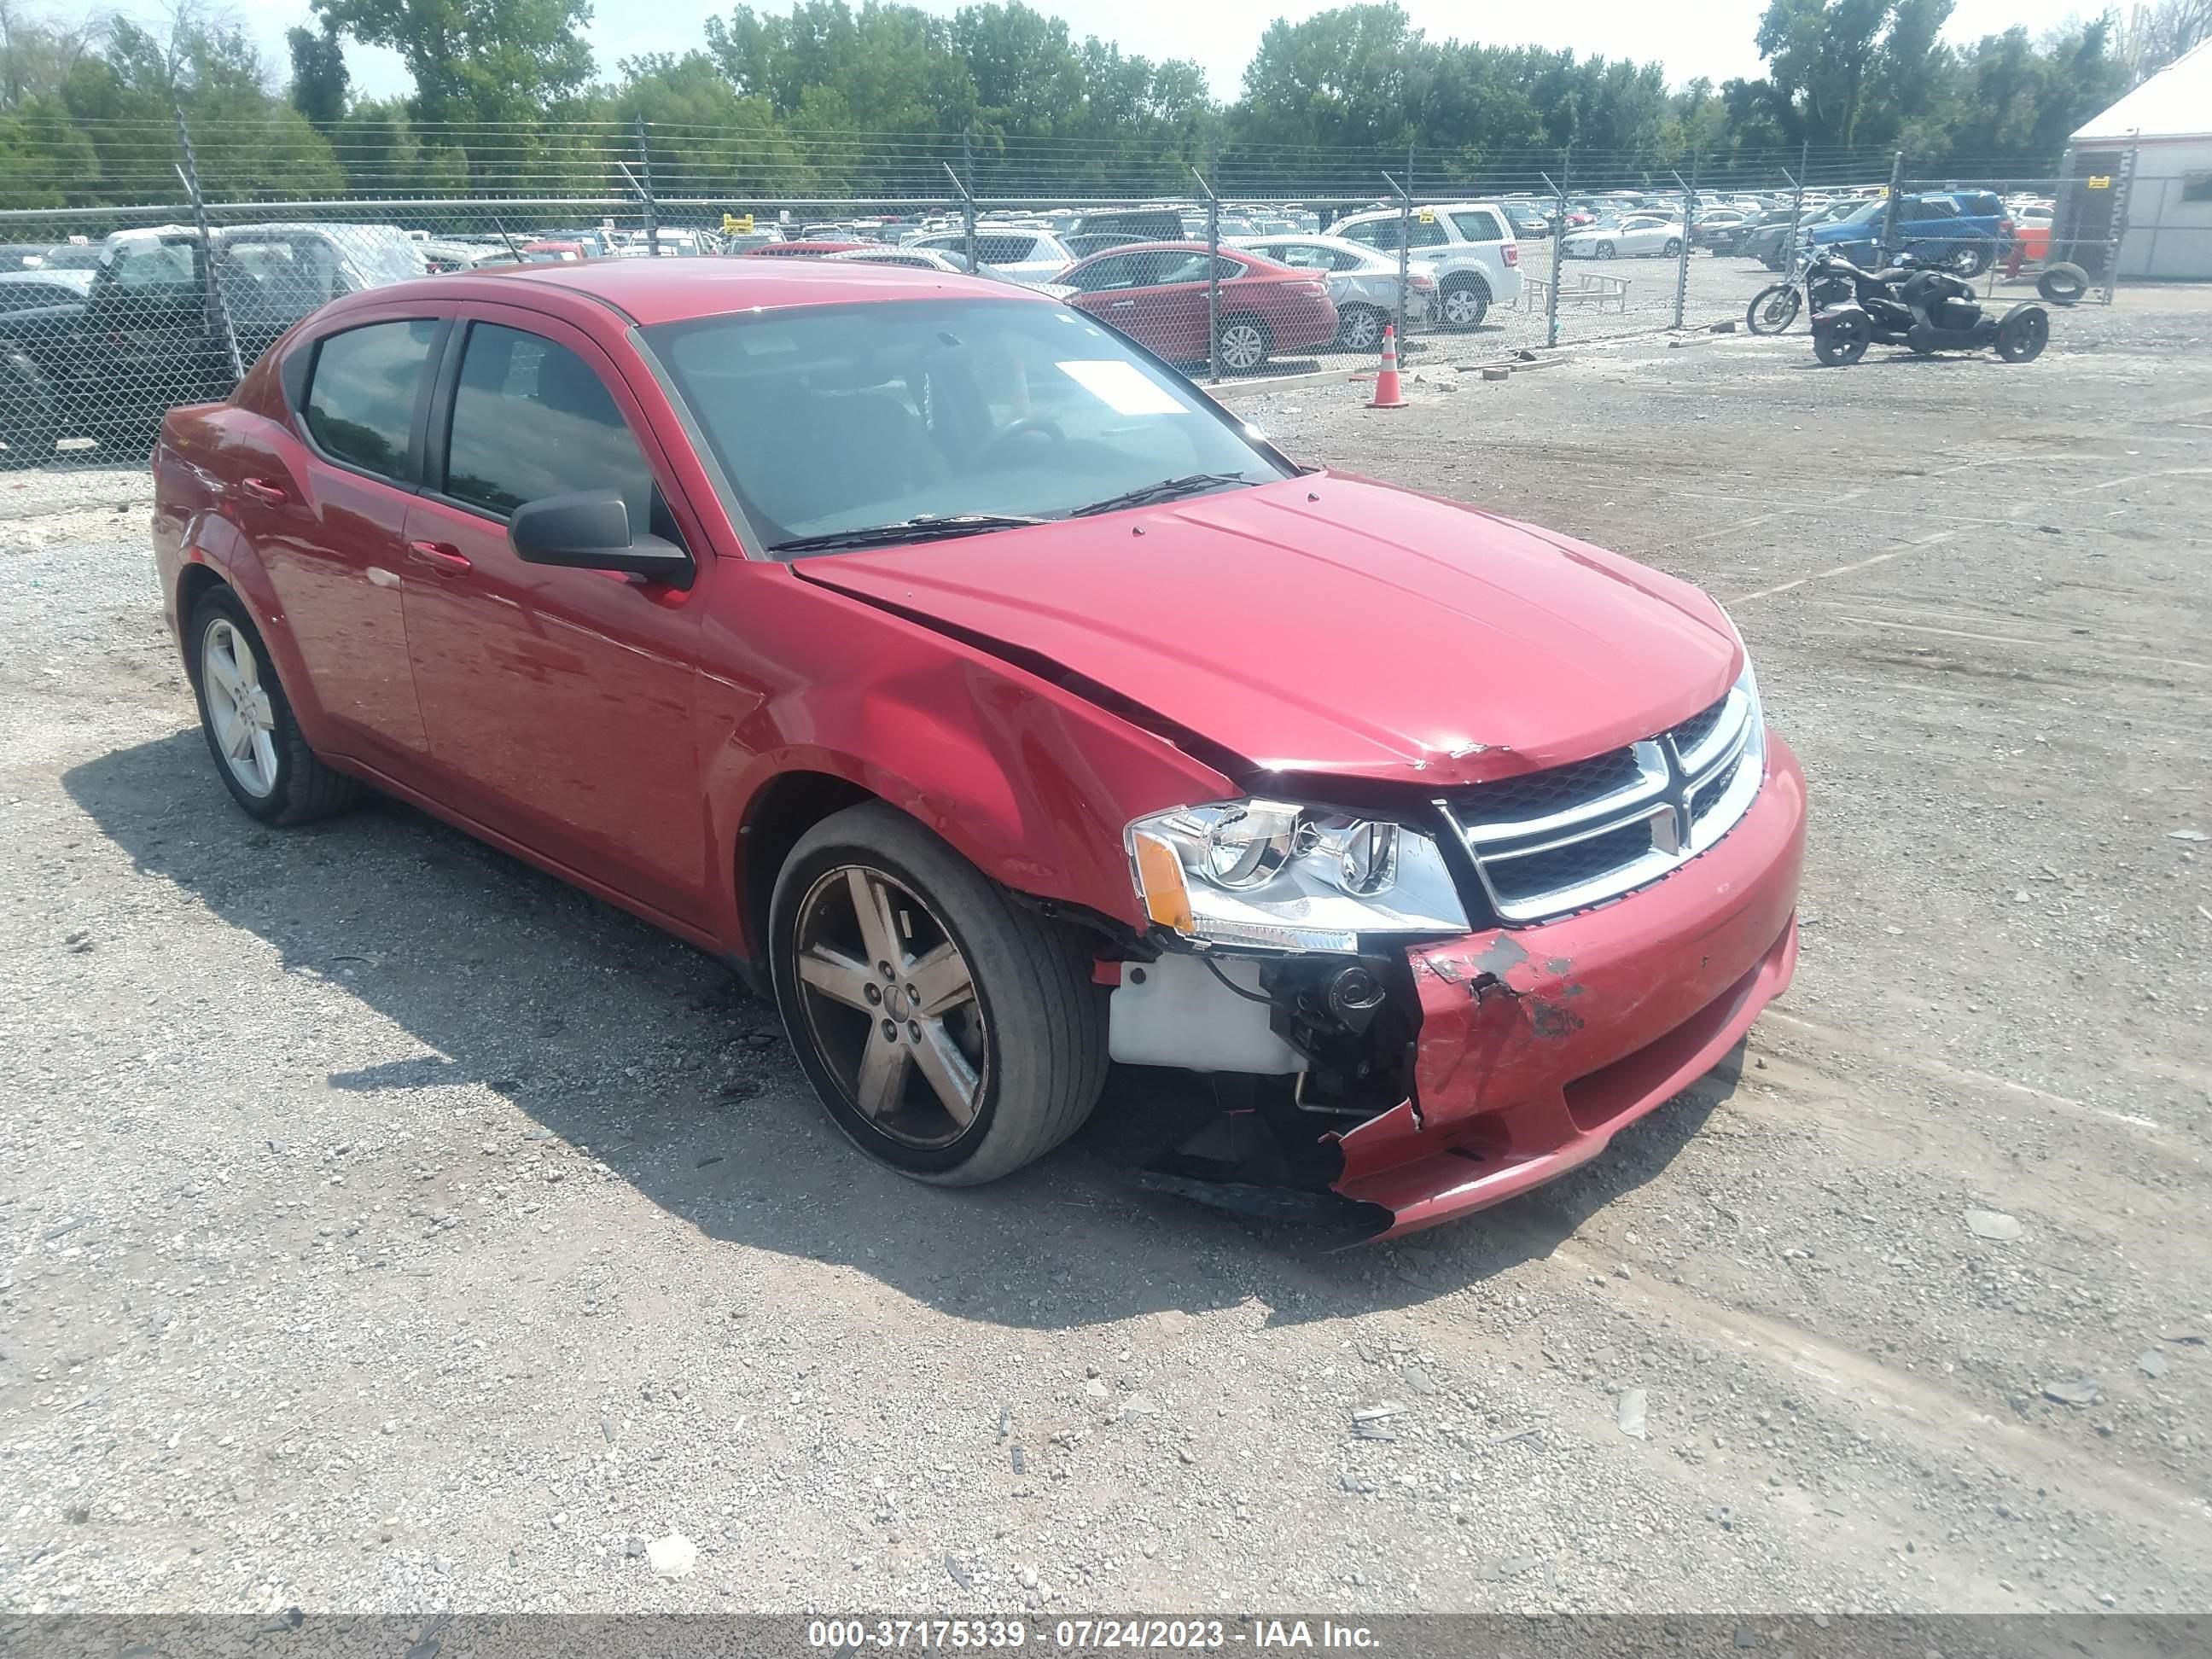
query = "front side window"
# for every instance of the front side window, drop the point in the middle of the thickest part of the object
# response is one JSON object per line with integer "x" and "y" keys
{"x": 838, "y": 419}
{"x": 360, "y": 406}
{"x": 532, "y": 419}
{"x": 1375, "y": 233}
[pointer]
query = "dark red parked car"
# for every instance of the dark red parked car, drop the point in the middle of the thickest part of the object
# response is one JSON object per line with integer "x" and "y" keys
{"x": 1006, "y": 710}
{"x": 1156, "y": 294}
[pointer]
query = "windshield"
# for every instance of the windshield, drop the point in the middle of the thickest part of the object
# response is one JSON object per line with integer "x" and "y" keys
{"x": 839, "y": 418}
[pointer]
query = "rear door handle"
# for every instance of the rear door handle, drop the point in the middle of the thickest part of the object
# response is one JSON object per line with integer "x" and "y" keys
{"x": 261, "y": 490}
{"x": 444, "y": 555}
{"x": 1123, "y": 304}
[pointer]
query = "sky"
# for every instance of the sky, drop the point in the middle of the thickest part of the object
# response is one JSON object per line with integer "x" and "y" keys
{"x": 1710, "y": 37}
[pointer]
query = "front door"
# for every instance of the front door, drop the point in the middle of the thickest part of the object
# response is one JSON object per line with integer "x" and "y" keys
{"x": 559, "y": 702}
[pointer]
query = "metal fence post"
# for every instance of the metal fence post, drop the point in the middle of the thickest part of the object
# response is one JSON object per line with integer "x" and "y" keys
{"x": 645, "y": 174}
{"x": 967, "y": 183}
{"x": 1558, "y": 254}
{"x": 1889, "y": 215}
{"x": 218, "y": 314}
{"x": 1405, "y": 252}
{"x": 1212, "y": 278}
{"x": 1796, "y": 210}
{"x": 1682, "y": 252}
{"x": 2117, "y": 231}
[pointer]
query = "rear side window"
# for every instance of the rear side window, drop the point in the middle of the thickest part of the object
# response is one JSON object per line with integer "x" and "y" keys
{"x": 532, "y": 419}
{"x": 360, "y": 406}
{"x": 1003, "y": 250}
{"x": 1477, "y": 226}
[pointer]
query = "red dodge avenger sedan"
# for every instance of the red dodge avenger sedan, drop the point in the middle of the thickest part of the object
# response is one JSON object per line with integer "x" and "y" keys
{"x": 930, "y": 652}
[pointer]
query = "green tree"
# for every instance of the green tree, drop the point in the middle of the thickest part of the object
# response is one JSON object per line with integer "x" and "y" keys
{"x": 319, "y": 81}
{"x": 482, "y": 64}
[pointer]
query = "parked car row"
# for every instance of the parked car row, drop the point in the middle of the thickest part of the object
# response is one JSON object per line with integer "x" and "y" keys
{"x": 101, "y": 353}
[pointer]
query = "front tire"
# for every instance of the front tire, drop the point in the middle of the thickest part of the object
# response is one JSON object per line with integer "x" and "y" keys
{"x": 952, "y": 1033}
{"x": 259, "y": 751}
{"x": 1842, "y": 343}
{"x": 1773, "y": 309}
{"x": 2023, "y": 334}
{"x": 1604, "y": 250}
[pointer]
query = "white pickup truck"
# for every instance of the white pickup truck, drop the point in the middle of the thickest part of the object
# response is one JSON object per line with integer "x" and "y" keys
{"x": 1468, "y": 246}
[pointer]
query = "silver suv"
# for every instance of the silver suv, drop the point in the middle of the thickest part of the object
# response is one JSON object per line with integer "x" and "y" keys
{"x": 1468, "y": 246}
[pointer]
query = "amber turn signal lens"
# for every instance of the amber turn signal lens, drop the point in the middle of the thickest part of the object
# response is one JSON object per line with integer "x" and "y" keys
{"x": 1159, "y": 872}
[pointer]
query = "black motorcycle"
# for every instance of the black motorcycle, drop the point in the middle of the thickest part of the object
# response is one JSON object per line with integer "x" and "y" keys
{"x": 1929, "y": 311}
{"x": 1819, "y": 281}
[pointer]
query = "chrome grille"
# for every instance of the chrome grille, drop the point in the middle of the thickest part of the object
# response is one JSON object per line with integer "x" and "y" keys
{"x": 1571, "y": 837}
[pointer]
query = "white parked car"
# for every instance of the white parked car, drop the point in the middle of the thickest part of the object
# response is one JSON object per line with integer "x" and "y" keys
{"x": 1032, "y": 258}
{"x": 1636, "y": 234}
{"x": 937, "y": 258}
{"x": 1468, "y": 246}
{"x": 1362, "y": 283}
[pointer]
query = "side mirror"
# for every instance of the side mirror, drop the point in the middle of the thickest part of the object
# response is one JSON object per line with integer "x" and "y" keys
{"x": 590, "y": 530}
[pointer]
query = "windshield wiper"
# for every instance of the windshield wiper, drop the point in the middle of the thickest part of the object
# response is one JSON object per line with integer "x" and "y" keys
{"x": 928, "y": 527}
{"x": 1166, "y": 490}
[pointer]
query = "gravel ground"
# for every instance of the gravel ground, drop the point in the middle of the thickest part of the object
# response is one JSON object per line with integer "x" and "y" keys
{"x": 389, "y": 1227}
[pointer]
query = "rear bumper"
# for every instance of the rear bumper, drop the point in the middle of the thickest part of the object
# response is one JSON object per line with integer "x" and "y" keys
{"x": 1538, "y": 1044}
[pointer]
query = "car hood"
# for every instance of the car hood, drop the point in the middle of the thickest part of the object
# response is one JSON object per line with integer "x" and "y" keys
{"x": 1333, "y": 625}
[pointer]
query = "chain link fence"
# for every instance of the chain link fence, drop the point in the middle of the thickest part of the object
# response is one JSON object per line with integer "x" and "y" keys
{"x": 1253, "y": 263}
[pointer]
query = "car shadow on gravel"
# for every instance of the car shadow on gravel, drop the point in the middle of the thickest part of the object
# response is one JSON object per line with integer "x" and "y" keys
{"x": 610, "y": 1034}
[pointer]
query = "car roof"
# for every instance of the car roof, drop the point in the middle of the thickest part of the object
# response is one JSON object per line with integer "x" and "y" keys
{"x": 649, "y": 291}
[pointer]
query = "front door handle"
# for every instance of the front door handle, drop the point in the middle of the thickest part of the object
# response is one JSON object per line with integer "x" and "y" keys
{"x": 271, "y": 495}
{"x": 1122, "y": 304}
{"x": 444, "y": 555}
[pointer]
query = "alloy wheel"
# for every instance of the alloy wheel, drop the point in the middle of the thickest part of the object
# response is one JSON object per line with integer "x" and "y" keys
{"x": 890, "y": 1004}
{"x": 1464, "y": 306}
{"x": 237, "y": 704}
{"x": 1362, "y": 329}
{"x": 1242, "y": 346}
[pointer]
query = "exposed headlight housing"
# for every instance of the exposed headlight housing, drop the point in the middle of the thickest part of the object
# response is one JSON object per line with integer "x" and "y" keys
{"x": 1276, "y": 876}
{"x": 1747, "y": 684}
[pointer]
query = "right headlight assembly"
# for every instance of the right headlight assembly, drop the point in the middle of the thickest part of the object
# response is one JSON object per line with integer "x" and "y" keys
{"x": 1276, "y": 876}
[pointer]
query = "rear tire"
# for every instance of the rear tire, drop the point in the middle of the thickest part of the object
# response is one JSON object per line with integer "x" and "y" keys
{"x": 1673, "y": 248}
{"x": 1243, "y": 343}
{"x": 1463, "y": 303}
{"x": 1033, "y": 1040}
{"x": 259, "y": 751}
{"x": 1970, "y": 260}
{"x": 1359, "y": 328}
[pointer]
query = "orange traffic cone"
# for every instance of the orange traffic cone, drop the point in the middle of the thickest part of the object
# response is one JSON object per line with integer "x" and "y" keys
{"x": 1388, "y": 394}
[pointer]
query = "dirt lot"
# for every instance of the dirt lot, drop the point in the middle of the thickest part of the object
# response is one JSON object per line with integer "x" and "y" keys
{"x": 387, "y": 1226}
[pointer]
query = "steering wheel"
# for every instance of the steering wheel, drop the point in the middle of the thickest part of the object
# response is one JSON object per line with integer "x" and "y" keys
{"x": 1014, "y": 431}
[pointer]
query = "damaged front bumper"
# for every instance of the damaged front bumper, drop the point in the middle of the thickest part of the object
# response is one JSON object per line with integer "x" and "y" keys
{"x": 1538, "y": 1044}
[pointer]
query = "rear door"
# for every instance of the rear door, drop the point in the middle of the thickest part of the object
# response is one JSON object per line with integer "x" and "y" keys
{"x": 558, "y": 703}
{"x": 327, "y": 514}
